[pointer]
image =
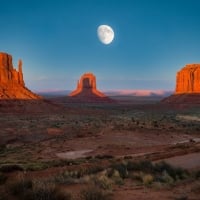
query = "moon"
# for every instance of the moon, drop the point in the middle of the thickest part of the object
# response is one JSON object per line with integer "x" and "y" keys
{"x": 105, "y": 34}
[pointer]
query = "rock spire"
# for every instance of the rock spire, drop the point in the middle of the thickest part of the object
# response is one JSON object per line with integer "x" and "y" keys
{"x": 12, "y": 84}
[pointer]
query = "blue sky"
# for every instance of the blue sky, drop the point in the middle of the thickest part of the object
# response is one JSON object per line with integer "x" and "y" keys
{"x": 57, "y": 41}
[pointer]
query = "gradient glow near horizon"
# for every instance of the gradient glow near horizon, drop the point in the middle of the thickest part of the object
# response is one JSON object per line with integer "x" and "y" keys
{"x": 57, "y": 41}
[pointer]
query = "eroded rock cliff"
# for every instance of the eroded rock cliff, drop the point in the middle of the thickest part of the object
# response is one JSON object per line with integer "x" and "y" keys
{"x": 12, "y": 85}
{"x": 188, "y": 79}
{"x": 187, "y": 92}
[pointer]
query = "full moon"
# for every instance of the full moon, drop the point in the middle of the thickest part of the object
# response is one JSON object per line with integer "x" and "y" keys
{"x": 105, "y": 34}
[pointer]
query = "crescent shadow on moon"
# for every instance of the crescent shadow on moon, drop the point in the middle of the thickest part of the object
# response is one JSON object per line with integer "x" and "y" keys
{"x": 105, "y": 34}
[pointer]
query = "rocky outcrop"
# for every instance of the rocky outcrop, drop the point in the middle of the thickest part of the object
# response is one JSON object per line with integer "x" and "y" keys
{"x": 12, "y": 85}
{"x": 187, "y": 92}
{"x": 86, "y": 90}
{"x": 87, "y": 85}
{"x": 9, "y": 75}
{"x": 188, "y": 79}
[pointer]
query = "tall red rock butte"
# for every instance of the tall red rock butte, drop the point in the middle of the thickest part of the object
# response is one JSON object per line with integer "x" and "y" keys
{"x": 187, "y": 86}
{"x": 87, "y": 86}
{"x": 12, "y": 85}
{"x": 87, "y": 90}
{"x": 188, "y": 79}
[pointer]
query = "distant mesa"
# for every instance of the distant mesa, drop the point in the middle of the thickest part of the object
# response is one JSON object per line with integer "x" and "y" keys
{"x": 87, "y": 90}
{"x": 187, "y": 86}
{"x": 12, "y": 84}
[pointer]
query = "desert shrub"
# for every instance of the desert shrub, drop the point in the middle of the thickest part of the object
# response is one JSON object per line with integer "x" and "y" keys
{"x": 3, "y": 178}
{"x": 36, "y": 166}
{"x": 66, "y": 162}
{"x": 115, "y": 176}
{"x": 174, "y": 172}
{"x": 25, "y": 189}
{"x": 121, "y": 168}
{"x": 46, "y": 190}
{"x": 73, "y": 174}
{"x": 103, "y": 182}
{"x": 11, "y": 167}
{"x": 144, "y": 165}
{"x": 94, "y": 169}
{"x": 62, "y": 179}
{"x": 83, "y": 171}
{"x": 166, "y": 178}
{"x": 137, "y": 176}
{"x": 77, "y": 161}
{"x": 181, "y": 173}
{"x": 76, "y": 173}
{"x": 159, "y": 172}
{"x": 147, "y": 179}
{"x": 94, "y": 193}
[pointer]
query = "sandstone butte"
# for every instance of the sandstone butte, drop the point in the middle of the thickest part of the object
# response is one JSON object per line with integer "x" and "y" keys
{"x": 87, "y": 92}
{"x": 87, "y": 86}
{"x": 12, "y": 85}
{"x": 188, "y": 79}
{"x": 187, "y": 90}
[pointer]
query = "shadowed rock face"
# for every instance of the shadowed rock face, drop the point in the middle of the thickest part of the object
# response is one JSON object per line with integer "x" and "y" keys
{"x": 86, "y": 86}
{"x": 12, "y": 85}
{"x": 188, "y": 79}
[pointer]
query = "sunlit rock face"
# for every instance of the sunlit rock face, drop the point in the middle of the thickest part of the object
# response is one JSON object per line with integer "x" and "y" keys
{"x": 86, "y": 91}
{"x": 188, "y": 79}
{"x": 187, "y": 92}
{"x": 12, "y": 85}
{"x": 9, "y": 75}
{"x": 87, "y": 86}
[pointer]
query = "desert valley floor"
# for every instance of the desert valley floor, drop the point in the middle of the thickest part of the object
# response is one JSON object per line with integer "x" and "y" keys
{"x": 55, "y": 149}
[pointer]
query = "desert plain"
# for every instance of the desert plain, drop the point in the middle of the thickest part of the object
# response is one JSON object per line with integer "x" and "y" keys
{"x": 128, "y": 149}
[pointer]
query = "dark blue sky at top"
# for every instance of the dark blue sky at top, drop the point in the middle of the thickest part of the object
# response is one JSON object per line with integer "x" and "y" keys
{"x": 57, "y": 41}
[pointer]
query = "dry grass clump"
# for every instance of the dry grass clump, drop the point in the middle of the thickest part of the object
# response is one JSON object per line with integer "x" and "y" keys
{"x": 147, "y": 179}
{"x": 103, "y": 182}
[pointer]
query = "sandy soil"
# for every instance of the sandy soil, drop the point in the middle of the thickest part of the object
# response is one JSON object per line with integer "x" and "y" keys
{"x": 188, "y": 161}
